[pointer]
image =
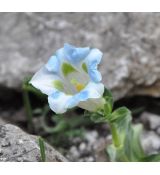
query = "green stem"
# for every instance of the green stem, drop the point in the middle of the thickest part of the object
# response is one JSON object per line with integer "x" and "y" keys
{"x": 28, "y": 108}
{"x": 115, "y": 137}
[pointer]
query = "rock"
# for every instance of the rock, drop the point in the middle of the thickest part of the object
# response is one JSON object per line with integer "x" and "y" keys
{"x": 152, "y": 120}
{"x": 130, "y": 42}
{"x": 91, "y": 148}
{"x": 100, "y": 150}
{"x": 18, "y": 146}
{"x": 82, "y": 146}
{"x": 158, "y": 131}
{"x": 2, "y": 121}
{"x": 150, "y": 142}
{"x": 73, "y": 153}
{"x": 91, "y": 136}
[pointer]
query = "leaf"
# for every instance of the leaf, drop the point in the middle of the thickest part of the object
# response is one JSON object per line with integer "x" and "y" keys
{"x": 136, "y": 144}
{"x": 151, "y": 158}
{"x": 121, "y": 136}
{"x": 116, "y": 154}
{"x": 109, "y": 101}
{"x": 107, "y": 108}
{"x": 108, "y": 95}
{"x": 95, "y": 117}
{"x": 42, "y": 149}
{"x": 120, "y": 113}
{"x": 126, "y": 138}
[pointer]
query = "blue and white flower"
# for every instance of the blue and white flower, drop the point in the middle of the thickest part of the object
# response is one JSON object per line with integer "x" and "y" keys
{"x": 70, "y": 78}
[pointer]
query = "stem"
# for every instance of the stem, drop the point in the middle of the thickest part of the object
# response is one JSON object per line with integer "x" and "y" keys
{"x": 115, "y": 137}
{"x": 28, "y": 108}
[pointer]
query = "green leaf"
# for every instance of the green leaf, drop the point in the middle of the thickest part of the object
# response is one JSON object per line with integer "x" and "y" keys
{"x": 108, "y": 97}
{"x": 136, "y": 144}
{"x": 121, "y": 120}
{"x": 107, "y": 108}
{"x": 96, "y": 118}
{"x": 42, "y": 149}
{"x": 151, "y": 158}
{"x": 119, "y": 114}
{"x": 126, "y": 138}
{"x": 117, "y": 154}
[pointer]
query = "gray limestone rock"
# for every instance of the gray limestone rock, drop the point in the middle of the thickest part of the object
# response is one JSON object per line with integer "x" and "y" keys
{"x": 130, "y": 42}
{"x": 151, "y": 120}
{"x": 150, "y": 142}
{"x": 2, "y": 121}
{"x": 18, "y": 146}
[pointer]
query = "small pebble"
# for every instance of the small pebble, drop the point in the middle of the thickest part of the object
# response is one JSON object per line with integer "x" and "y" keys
{"x": 5, "y": 143}
{"x": 20, "y": 159}
{"x": 82, "y": 146}
{"x": 74, "y": 152}
{"x": 20, "y": 142}
{"x": 90, "y": 159}
{"x": 150, "y": 142}
{"x": 91, "y": 137}
{"x": 76, "y": 140}
{"x": 3, "y": 159}
{"x": 151, "y": 119}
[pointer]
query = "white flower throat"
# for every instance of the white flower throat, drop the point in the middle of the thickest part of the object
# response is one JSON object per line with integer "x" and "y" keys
{"x": 74, "y": 80}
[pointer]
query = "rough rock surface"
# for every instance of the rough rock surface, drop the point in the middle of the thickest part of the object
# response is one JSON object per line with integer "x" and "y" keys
{"x": 2, "y": 122}
{"x": 151, "y": 120}
{"x": 150, "y": 142}
{"x": 92, "y": 148}
{"x": 130, "y": 42}
{"x": 17, "y": 146}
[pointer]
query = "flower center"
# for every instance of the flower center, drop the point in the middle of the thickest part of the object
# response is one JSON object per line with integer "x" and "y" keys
{"x": 77, "y": 85}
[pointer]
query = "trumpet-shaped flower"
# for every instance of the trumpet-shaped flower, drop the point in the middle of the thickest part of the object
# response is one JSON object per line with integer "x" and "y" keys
{"x": 70, "y": 78}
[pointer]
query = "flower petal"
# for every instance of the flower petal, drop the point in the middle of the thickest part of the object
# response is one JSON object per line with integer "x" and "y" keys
{"x": 44, "y": 81}
{"x": 92, "y": 61}
{"x": 74, "y": 101}
{"x": 58, "y": 102}
{"x": 60, "y": 54}
{"x": 95, "y": 97}
{"x": 75, "y": 55}
{"x": 53, "y": 64}
{"x": 92, "y": 105}
{"x": 91, "y": 91}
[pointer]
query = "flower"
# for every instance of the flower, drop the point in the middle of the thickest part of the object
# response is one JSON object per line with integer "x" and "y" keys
{"x": 70, "y": 78}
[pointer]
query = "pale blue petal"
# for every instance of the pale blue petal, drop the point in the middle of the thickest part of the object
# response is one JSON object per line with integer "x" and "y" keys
{"x": 58, "y": 102}
{"x": 43, "y": 80}
{"x": 91, "y": 91}
{"x": 60, "y": 54}
{"x": 92, "y": 61}
{"x": 95, "y": 75}
{"x": 82, "y": 96}
{"x": 95, "y": 97}
{"x": 75, "y": 55}
{"x": 53, "y": 64}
